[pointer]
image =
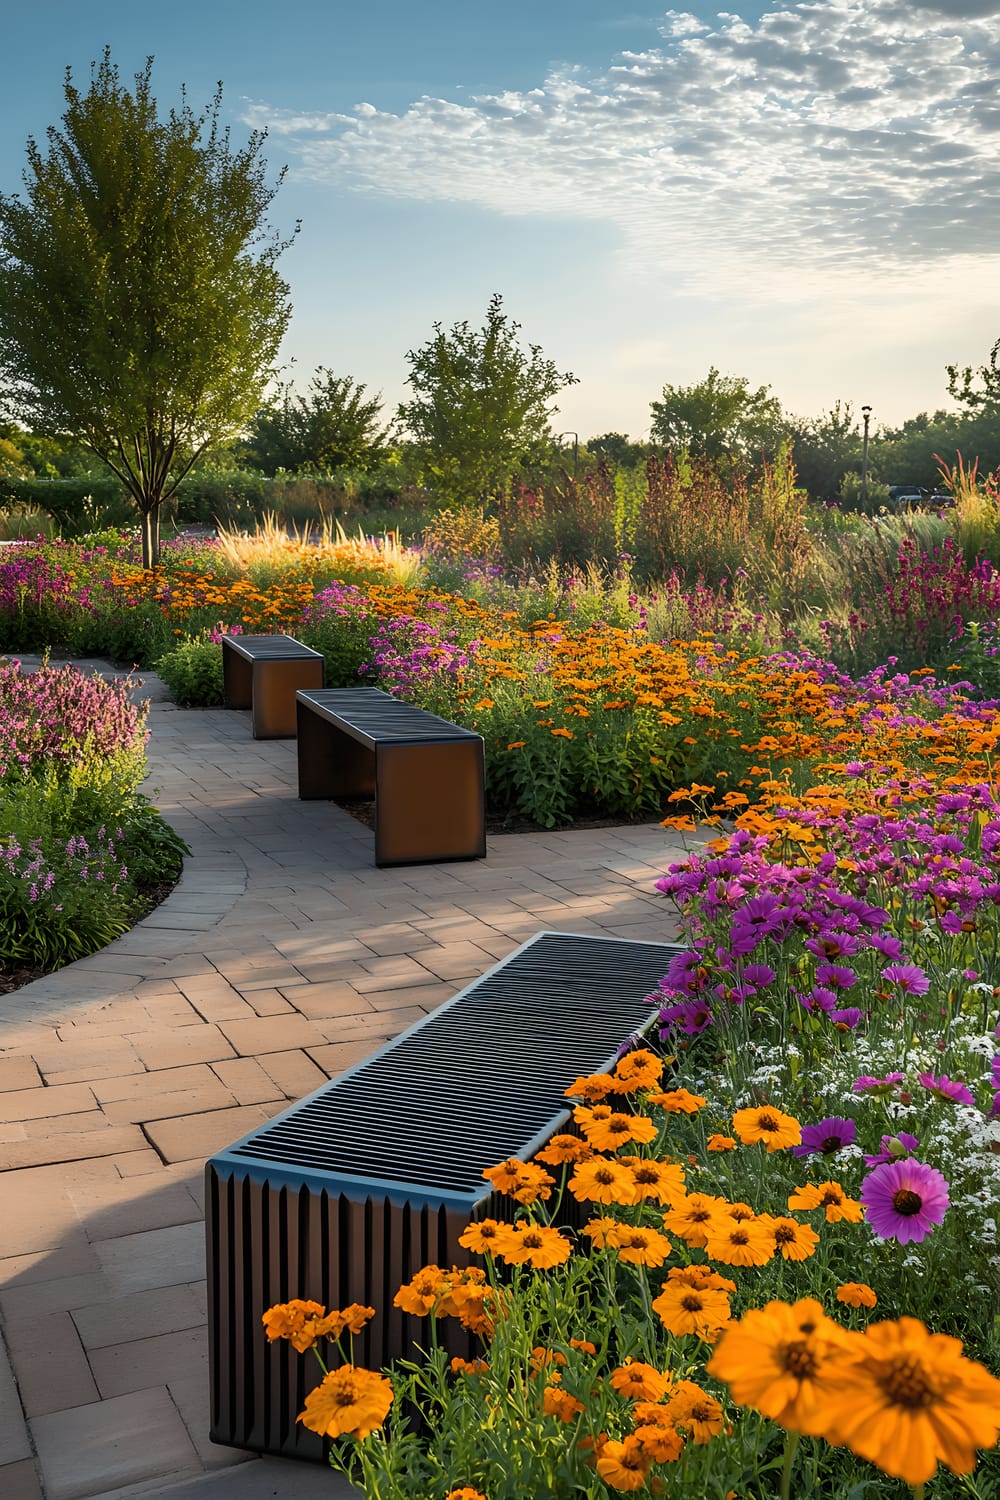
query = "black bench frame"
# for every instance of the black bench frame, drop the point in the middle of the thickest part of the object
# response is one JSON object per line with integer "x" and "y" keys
{"x": 428, "y": 776}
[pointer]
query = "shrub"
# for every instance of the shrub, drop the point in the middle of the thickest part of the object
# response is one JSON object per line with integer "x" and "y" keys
{"x": 192, "y": 672}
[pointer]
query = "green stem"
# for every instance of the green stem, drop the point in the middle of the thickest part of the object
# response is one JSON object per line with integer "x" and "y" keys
{"x": 791, "y": 1447}
{"x": 918, "y": 1492}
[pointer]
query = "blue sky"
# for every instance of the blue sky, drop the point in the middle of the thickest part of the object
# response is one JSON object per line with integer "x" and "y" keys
{"x": 801, "y": 193}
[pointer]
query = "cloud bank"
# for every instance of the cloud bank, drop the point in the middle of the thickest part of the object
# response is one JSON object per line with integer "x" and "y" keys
{"x": 829, "y": 137}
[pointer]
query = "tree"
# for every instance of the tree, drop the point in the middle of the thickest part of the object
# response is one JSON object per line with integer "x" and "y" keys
{"x": 826, "y": 448}
{"x": 719, "y": 417}
{"x": 961, "y": 383}
{"x": 481, "y": 406}
{"x": 140, "y": 307}
{"x": 617, "y": 449}
{"x": 331, "y": 427}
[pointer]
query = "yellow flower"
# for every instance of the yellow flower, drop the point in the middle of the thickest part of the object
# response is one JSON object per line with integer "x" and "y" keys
{"x": 767, "y": 1124}
{"x": 856, "y": 1294}
{"x": 348, "y": 1402}
{"x": 906, "y": 1399}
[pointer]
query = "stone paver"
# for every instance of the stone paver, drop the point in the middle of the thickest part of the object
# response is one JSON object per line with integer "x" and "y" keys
{"x": 282, "y": 957}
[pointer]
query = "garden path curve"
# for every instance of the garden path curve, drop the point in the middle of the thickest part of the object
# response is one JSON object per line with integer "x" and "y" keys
{"x": 282, "y": 957}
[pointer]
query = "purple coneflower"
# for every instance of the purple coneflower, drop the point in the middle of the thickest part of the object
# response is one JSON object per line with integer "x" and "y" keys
{"x": 945, "y": 1088}
{"x": 846, "y": 1020}
{"x": 830, "y": 1135}
{"x": 868, "y": 1085}
{"x": 909, "y": 978}
{"x": 904, "y": 1200}
{"x": 836, "y": 976}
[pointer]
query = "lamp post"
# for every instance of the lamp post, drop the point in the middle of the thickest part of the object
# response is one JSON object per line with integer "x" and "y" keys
{"x": 576, "y": 445}
{"x": 866, "y": 413}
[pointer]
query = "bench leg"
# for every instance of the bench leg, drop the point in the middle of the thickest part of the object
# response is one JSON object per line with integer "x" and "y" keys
{"x": 331, "y": 764}
{"x": 429, "y": 803}
{"x": 237, "y": 678}
{"x": 275, "y": 684}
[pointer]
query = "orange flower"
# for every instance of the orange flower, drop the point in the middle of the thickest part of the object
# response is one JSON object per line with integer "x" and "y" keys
{"x": 678, "y": 1102}
{"x": 721, "y": 1143}
{"x": 905, "y": 1399}
{"x": 636, "y": 1070}
{"x": 584, "y": 1346}
{"x": 564, "y": 1148}
{"x": 520, "y": 1180}
{"x": 691, "y": 1216}
{"x": 773, "y": 1360}
{"x": 593, "y": 1086}
{"x": 607, "y": 1129}
{"x": 829, "y": 1196}
{"x": 661, "y": 1445}
{"x": 637, "y": 1245}
{"x": 792, "y": 1240}
{"x": 655, "y": 1181}
{"x": 603, "y": 1180}
{"x": 739, "y": 1242}
{"x": 624, "y": 1465}
{"x": 466, "y": 1492}
{"x": 640, "y": 1382}
{"x": 764, "y": 1123}
{"x": 695, "y": 1410}
{"x": 700, "y": 1277}
{"x": 856, "y": 1294}
{"x": 302, "y": 1323}
{"x": 687, "y": 1309}
{"x": 536, "y": 1245}
{"x": 420, "y": 1295}
{"x": 460, "y": 1366}
{"x": 481, "y": 1238}
{"x": 348, "y": 1402}
{"x": 559, "y": 1403}
{"x": 601, "y": 1231}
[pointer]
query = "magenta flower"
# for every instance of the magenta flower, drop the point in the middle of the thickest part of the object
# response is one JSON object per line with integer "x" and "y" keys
{"x": 893, "y": 1147}
{"x": 836, "y": 976}
{"x": 846, "y": 1020}
{"x": 945, "y": 1088}
{"x": 910, "y": 979}
{"x": 904, "y": 1200}
{"x": 828, "y": 1136}
{"x": 868, "y": 1085}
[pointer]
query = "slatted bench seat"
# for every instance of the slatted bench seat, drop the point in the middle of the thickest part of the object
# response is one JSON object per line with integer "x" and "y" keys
{"x": 427, "y": 776}
{"x": 348, "y": 1193}
{"x": 263, "y": 673}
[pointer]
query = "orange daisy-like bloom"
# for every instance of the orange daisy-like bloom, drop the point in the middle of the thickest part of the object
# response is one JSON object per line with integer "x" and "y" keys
{"x": 661, "y": 1445}
{"x": 460, "y": 1366}
{"x": 606, "y": 1129}
{"x": 695, "y": 1411}
{"x": 739, "y": 1242}
{"x": 906, "y": 1399}
{"x": 592, "y": 1086}
{"x": 767, "y": 1124}
{"x": 829, "y": 1196}
{"x": 564, "y": 1148}
{"x": 536, "y": 1245}
{"x": 640, "y": 1382}
{"x": 481, "y": 1238}
{"x": 603, "y": 1180}
{"x": 636, "y": 1070}
{"x": 584, "y": 1346}
{"x": 678, "y": 1102}
{"x": 655, "y": 1181}
{"x": 774, "y": 1358}
{"x": 691, "y": 1216}
{"x": 792, "y": 1240}
{"x": 559, "y": 1403}
{"x": 687, "y": 1309}
{"x": 741, "y": 1211}
{"x": 721, "y": 1143}
{"x": 466, "y": 1492}
{"x": 639, "y": 1246}
{"x": 701, "y": 1277}
{"x": 422, "y": 1292}
{"x": 506, "y": 1175}
{"x": 348, "y": 1402}
{"x": 856, "y": 1294}
{"x": 302, "y": 1323}
{"x": 624, "y": 1465}
{"x": 520, "y": 1180}
{"x": 601, "y": 1231}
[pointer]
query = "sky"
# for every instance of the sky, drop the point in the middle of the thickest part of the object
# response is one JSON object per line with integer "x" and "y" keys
{"x": 806, "y": 195}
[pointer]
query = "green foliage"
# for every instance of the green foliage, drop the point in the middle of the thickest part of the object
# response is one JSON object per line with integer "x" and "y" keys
{"x": 616, "y": 448}
{"x": 853, "y": 497}
{"x": 962, "y": 383}
{"x": 76, "y": 505}
{"x": 138, "y": 308}
{"x": 825, "y": 448}
{"x": 719, "y": 418}
{"x": 333, "y": 426}
{"x": 976, "y": 655}
{"x": 192, "y": 672}
{"x": 153, "y": 852}
{"x": 480, "y": 409}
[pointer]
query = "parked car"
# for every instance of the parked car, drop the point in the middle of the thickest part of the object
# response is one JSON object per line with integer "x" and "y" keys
{"x": 907, "y": 496}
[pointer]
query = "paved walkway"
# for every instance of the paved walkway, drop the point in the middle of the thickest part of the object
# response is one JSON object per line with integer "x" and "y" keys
{"x": 282, "y": 957}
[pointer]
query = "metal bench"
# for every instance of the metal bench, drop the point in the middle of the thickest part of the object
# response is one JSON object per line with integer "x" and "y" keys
{"x": 263, "y": 673}
{"x": 427, "y": 776}
{"x": 348, "y": 1193}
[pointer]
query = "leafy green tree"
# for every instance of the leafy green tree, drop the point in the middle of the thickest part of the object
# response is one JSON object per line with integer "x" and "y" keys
{"x": 617, "y": 449}
{"x": 480, "y": 410}
{"x": 720, "y": 418}
{"x": 825, "y": 449}
{"x": 962, "y": 383}
{"x": 333, "y": 426}
{"x": 140, "y": 307}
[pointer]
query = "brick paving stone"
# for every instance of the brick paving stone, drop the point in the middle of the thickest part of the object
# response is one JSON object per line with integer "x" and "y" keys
{"x": 190, "y": 1044}
{"x": 67, "y": 1148}
{"x": 111, "y": 1210}
{"x": 270, "y": 1034}
{"x": 73, "y": 1259}
{"x": 141, "y": 1315}
{"x": 156, "y": 1106}
{"x": 20, "y": 1481}
{"x": 246, "y": 1081}
{"x": 162, "y": 1080}
{"x": 56, "y": 1293}
{"x": 200, "y": 1136}
{"x": 268, "y": 1003}
{"x": 159, "y": 1257}
{"x": 295, "y": 1073}
{"x": 83, "y": 1057}
{"x": 128, "y": 1440}
{"x": 49, "y": 1363}
{"x": 18, "y": 1073}
{"x": 339, "y": 1056}
{"x": 319, "y": 1001}
{"x": 57, "y": 1124}
{"x": 133, "y": 1366}
{"x": 190, "y": 1394}
{"x": 14, "y": 1441}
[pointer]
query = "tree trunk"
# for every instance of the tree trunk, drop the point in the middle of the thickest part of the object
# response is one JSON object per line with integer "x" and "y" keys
{"x": 151, "y": 534}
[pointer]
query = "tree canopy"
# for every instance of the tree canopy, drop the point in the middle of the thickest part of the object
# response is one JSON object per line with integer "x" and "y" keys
{"x": 719, "y": 417}
{"x": 140, "y": 306}
{"x": 333, "y": 426}
{"x": 481, "y": 406}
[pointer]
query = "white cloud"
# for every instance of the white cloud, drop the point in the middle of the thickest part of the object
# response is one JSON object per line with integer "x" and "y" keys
{"x": 831, "y": 139}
